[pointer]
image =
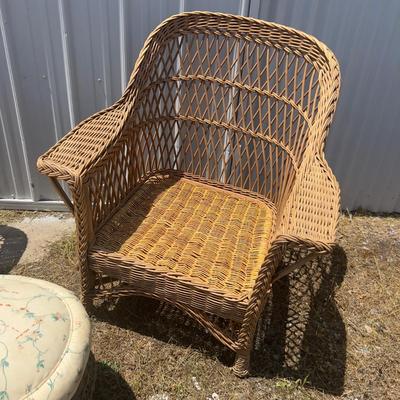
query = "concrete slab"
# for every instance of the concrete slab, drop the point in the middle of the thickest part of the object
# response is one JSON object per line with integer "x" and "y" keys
{"x": 36, "y": 234}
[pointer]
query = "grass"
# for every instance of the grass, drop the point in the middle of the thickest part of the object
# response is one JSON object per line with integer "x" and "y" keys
{"x": 7, "y": 217}
{"x": 13, "y": 216}
{"x": 330, "y": 331}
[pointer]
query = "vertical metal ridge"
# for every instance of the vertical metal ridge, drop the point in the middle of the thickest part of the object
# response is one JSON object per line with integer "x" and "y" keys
{"x": 50, "y": 69}
{"x": 254, "y": 8}
{"x": 8, "y": 152}
{"x": 122, "y": 43}
{"x": 93, "y": 80}
{"x": 244, "y": 7}
{"x": 105, "y": 53}
{"x": 10, "y": 70}
{"x": 67, "y": 63}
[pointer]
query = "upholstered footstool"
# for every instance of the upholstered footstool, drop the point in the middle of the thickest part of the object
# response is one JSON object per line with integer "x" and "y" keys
{"x": 44, "y": 342}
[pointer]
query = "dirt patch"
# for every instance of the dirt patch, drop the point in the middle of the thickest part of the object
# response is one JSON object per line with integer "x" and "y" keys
{"x": 330, "y": 330}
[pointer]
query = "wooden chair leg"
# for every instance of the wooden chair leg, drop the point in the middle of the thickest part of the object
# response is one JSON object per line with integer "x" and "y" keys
{"x": 241, "y": 366}
{"x": 87, "y": 287}
{"x": 242, "y": 363}
{"x": 84, "y": 229}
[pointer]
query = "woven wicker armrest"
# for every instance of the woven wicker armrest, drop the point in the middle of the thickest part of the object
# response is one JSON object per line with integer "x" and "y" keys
{"x": 74, "y": 155}
{"x": 311, "y": 212}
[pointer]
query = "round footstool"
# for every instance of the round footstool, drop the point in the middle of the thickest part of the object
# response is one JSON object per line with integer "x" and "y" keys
{"x": 44, "y": 342}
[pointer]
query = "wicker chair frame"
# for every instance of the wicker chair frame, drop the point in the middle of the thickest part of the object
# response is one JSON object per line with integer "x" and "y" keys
{"x": 192, "y": 186}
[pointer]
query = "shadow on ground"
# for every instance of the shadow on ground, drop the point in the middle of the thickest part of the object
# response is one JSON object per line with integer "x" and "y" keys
{"x": 301, "y": 335}
{"x": 110, "y": 384}
{"x": 12, "y": 245}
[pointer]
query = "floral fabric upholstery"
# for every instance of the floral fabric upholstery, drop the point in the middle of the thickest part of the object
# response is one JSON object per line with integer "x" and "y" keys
{"x": 44, "y": 340}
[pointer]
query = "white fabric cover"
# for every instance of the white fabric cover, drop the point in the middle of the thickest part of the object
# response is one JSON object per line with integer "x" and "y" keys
{"x": 44, "y": 340}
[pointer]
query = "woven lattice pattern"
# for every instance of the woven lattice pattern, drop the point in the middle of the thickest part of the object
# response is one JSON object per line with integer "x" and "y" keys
{"x": 239, "y": 110}
{"x": 190, "y": 230}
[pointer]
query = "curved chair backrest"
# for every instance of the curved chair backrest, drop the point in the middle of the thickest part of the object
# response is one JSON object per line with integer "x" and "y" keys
{"x": 232, "y": 99}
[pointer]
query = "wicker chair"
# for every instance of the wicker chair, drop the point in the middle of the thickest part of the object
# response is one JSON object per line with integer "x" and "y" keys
{"x": 192, "y": 186}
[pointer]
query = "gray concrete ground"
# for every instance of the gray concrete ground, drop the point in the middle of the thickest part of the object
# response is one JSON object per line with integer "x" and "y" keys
{"x": 28, "y": 239}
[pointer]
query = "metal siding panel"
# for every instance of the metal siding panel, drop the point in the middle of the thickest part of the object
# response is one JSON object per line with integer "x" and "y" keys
{"x": 227, "y": 6}
{"x": 26, "y": 22}
{"x": 12, "y": 150}
{"x": 7, "y": 180}
{"x": 78, "y": 26}
{"x": 110, "y": 58}
{"x": 68, "y": 59}
{"x": 51, "y": 38}
{"x": 27, "y": 204}
{"x": 139, "y": 21}
{"x": 363, "y": 145}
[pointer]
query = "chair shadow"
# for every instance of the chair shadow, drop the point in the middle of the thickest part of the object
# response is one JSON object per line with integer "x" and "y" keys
{"x": 13, "y": 243}
{"x": 110, "y": 384}
{"x": 300, "y": 336}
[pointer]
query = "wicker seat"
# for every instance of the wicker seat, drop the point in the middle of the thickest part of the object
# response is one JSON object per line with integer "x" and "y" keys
{"x": 192, "y": 186}
{"x": 177, "y": 234}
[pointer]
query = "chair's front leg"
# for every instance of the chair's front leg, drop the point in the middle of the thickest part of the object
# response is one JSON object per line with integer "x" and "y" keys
{"x": 84, "y": 228}
{"x": 258, "y": 299}
{"x": 87, "y": 278}
{"x": 241, "y": 366}
{"x": 242, "y": 360}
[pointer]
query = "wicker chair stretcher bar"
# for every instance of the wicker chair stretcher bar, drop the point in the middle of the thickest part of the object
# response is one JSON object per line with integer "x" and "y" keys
{"x": 190, "y": 188}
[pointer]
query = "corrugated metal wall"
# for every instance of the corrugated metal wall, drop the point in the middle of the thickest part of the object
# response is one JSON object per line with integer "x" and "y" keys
{"x": 61, "y": 61}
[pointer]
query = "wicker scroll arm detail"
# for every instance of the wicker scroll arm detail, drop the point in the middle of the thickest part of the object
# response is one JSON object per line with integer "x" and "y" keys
{"x": 308, "y": 222}
{"x": 92, "y": 142}
{"x": 311, "y": 212}
{"x": 74, "y": 155}
{"x": 310, "y": 215}
{"x": 72, "y": 160}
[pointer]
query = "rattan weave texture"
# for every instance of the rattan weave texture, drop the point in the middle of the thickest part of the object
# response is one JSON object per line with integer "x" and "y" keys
{"x": 176, "y": 230}
{"x": 190, "y": 188}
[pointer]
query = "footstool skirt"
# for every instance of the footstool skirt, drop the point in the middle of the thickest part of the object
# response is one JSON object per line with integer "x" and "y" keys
{"x": 44, "y": 342}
